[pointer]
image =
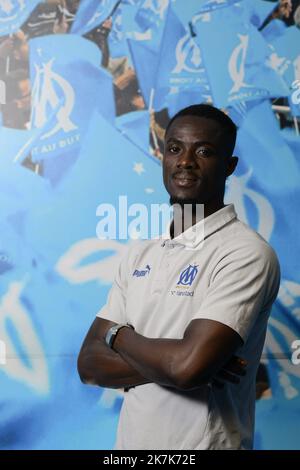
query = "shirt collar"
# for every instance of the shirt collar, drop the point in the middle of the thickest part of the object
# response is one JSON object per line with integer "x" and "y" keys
{"x": 194, "y": 235}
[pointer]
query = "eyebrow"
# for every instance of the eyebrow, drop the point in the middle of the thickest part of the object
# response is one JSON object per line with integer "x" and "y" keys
{"x": 198, "y": 142}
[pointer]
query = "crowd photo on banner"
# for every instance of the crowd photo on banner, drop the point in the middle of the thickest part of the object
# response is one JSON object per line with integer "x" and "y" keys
{"x": 87, "y": 88}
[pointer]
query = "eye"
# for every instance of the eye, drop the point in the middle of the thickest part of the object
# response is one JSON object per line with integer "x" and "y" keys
{"x": 203, "y": 152}
{"x": 173, "y": 148}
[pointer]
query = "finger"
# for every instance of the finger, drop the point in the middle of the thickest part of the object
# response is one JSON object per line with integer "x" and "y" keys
{"x": 227, "y": 376}
{"x": 238, "y": 360}
{"x": 236, "y": 365}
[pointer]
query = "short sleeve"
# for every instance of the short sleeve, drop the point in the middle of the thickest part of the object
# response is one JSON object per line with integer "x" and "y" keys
{"x": 243, "y": 285}
{"x": 115, "y": 307}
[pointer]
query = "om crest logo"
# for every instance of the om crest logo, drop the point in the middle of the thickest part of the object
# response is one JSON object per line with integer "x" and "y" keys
{"x": 236, "y": 64}
{"x": 53, "y": 92}
{"x": 188, "y": 55}
{"x": 188, "y": 275}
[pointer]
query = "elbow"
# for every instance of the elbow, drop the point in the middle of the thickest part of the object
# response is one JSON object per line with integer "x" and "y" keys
{"x": 186, "y": 384}
{"x": 83, "y": 370}
{"x": 189, "y": 378}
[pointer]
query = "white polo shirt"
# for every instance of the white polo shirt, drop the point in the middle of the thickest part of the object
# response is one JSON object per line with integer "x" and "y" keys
{"x": 227, "y": 273}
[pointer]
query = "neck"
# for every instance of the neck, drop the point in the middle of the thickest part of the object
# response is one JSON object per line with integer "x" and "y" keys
{"x": 187, "y": 215}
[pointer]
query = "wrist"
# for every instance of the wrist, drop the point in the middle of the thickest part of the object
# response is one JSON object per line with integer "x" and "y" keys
{"x": 113, "y": 332}
{"x": 123, "y": 334}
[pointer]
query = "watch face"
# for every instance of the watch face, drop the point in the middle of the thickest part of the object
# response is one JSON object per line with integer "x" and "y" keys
{"x": 111, "y": 334}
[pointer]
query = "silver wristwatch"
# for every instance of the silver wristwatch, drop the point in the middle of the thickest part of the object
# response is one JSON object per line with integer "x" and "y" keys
{"x": 112, "y": 333}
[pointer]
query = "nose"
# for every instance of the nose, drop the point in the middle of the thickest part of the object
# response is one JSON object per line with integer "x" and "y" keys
{"x": 187, "y": 160}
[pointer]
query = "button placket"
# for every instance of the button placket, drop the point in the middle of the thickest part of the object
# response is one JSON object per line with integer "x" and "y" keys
{"x": 160, "y": 278}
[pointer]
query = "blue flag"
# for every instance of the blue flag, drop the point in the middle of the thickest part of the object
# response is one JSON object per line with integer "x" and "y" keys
{"x": 185, "y": 11}
{"x": 64, "y": 74}
{"x": 234, "y": 50}
{"x": 151, "y": 13}
{"x": 256, "y": 11}
{"x": 135, "y": 127}
{"x": 180, "y": 65}
{"x": 91, "y": 13}
{"x": 22, "y": 190}
{"x": 273, "y": 30}
{"x": 140, "y": 20}
{"x": 144, "y": 59}
{"x": 123, "y": 26}
{"x": 286, "y": 58}
{"x": 265, "y": 154}
{"x": 17, "y": 143}
{"x": 259, "y": 11}
{"x": 211, "y": 5}
{"x": 13, "y": 13}
{"x": 178, "y": 99}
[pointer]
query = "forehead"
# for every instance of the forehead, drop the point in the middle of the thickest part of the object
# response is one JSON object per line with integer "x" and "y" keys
{"x": 195, "y": 128}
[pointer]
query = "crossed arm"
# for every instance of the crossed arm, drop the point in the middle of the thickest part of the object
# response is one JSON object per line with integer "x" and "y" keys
{"x": 187, "y": 363}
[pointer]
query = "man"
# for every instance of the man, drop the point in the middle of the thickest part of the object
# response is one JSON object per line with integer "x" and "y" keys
{"x": 194, "y": 300}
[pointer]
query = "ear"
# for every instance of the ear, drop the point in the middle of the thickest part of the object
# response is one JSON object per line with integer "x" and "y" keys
{"x": 231, "y": 165}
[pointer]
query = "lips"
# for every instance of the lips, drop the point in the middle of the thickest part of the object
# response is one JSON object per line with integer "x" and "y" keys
{"x": 185, "y": 176}
{"x": 183, "y": 179}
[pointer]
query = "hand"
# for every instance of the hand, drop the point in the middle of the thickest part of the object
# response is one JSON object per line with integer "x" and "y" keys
{"x": 231, "y": 372}
{"x": 123, "y": 80}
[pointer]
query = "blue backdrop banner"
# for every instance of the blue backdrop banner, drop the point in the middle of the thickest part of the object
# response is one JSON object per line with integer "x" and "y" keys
{"x": 89, "y": 89}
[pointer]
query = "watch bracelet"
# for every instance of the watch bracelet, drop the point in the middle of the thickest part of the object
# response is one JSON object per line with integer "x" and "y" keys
{"x": 125, "y": 325}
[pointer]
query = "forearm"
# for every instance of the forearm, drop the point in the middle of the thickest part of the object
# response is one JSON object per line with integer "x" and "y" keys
{"x": 100, "y": 365}
{"x": 155, "y": 359}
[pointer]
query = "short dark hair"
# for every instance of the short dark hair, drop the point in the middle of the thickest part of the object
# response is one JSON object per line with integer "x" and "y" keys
{"x": 210, "y": 112}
